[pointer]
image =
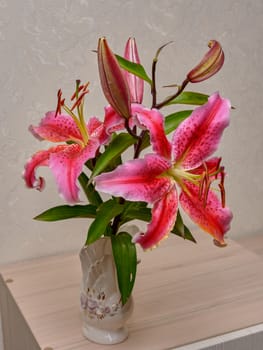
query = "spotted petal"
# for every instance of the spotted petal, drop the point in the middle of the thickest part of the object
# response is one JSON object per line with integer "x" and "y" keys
{"x": 145, "y": 118}
{"x": 212, "y": 217}
{"x": 67, "y": 166}
{"x": 198, "y": 136}
{"x": 153, "y": 120}
{"x": 137, "y": 180}
{"x": 210, "y": 166}
{"x": 56, "y": 128}
{"x": 41, "y": 158}
{"x": 163, "y": 219}
{"x": 96, "y": 130}
{"x": 112, "y": 120}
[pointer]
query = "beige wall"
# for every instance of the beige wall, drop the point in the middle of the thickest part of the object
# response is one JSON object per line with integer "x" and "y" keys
{"x": 46, "y": 45}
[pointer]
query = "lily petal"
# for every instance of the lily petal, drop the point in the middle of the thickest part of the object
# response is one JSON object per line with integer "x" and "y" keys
{"x": 113, "y": 121}
{"x": 135, "y": 83}
{"x": 41, "y": 158}
{"x": 163, "y": 219}
{"x": 212, "y": 218}
{"x": 145, "y": 118}
{"x": 96, "y": 129}
{"x": 56, "y": 128}
{"x": 153, "y": 120}
{"x": 67, "y": 165}
{"x": 137, "y": 179}
{"x": 198, "y": 136}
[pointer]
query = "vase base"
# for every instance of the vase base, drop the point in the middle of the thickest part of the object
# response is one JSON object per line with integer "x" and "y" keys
{"x": 104, "y": 336}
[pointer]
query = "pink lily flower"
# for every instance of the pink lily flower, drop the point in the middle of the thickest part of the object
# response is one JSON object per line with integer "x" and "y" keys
{"x": 65, "y": 160}
{"x": 155, "y": 178}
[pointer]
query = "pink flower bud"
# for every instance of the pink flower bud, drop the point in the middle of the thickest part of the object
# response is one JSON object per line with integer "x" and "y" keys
{"x": 113, "y": 82}
{"x": 209, "y": 65}
{"x": 135, "y": 83}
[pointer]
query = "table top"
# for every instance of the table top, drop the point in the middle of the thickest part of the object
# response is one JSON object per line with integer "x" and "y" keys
{"x": 184, "y": 293}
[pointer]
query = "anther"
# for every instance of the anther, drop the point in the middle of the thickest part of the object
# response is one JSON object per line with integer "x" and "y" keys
{"x": 60, "y": 102}
{"x": 78, "y": 89}
{"x": 219, "y": 244}
{"x": 79, "y": 100}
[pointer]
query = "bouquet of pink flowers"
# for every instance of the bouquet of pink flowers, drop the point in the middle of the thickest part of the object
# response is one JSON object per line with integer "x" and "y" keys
{"x": 149, "y": 187}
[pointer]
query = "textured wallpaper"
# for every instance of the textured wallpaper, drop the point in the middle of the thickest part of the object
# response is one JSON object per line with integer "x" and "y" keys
{"x": 47, "y": 44}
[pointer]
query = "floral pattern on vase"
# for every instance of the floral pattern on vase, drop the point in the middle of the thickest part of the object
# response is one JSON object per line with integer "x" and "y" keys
{"x": 102, "y": 311}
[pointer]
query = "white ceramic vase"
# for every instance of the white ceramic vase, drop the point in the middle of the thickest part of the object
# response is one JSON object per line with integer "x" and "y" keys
{"x": 102, "y": 311}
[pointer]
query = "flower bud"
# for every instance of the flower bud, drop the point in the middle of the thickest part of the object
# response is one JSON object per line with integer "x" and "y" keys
{"x": 135, "y": 83}
{"x": 209, "y": 65}
{"x": 113, "y": 82}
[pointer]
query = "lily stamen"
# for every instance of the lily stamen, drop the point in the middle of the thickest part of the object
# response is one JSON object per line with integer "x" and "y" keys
{"x": 207, "y": 188}
{"x": 60, "y": 102}
{"x": 78, "y": 89}
{"x": 222, "y": 188}
{"x": 79, "y": 100}
{"x": 208, "y": 178}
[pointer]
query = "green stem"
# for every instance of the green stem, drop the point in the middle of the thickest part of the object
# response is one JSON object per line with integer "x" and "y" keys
{"x": 153, "y": 87}
{"x": 169, "y": 99}
{"x": 154, "y": 63}
{"x": 89, "y": 190}
{"x": 137, "y": 150}
{"x": 117, "y": 219}
{"x": 130, "y": 130}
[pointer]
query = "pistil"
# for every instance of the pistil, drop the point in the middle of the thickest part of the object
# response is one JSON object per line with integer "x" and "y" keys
{"x": 178, "y": 175}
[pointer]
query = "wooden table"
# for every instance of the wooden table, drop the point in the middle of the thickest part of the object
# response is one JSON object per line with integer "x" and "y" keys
{"x": 184, "y": 294}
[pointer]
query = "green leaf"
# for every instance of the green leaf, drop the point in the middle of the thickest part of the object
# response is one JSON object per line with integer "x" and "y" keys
{"x": 173, "y": 120}
{"x": 134, "y": 68}
{"x": 135, "y": 210}
{"x": 188, "y": 235}
{"x": 124, "y": 252}
{"x": 92, "y": 195}
{"x": 190, "y": 98}
{"x": 63, "y": 212}
{"x": 117, "y": 146}
{"x": 181, "y": 230}
{"x": 113, "y": 163}
{"x": 105, "y": 213}
{"x": 179, "y": 225}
